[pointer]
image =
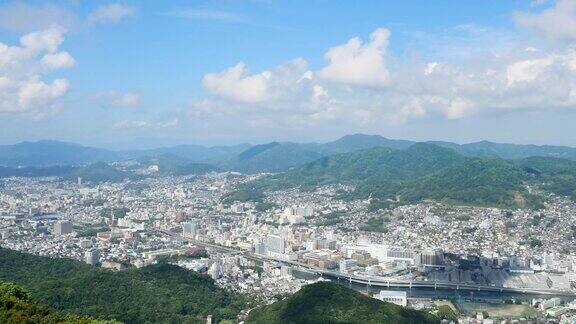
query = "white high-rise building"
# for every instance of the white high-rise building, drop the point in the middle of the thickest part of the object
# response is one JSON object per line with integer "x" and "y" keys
{"x": 215, "y": 270}
{"x": 189, "y": 229}
{"x": 275, "y": 244}
{"x": 92, "y": 257}
{"x": 63, "y": 227}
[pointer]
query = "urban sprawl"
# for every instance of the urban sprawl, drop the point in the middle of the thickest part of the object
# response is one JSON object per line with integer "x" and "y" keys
{"x": 266, "y": 249}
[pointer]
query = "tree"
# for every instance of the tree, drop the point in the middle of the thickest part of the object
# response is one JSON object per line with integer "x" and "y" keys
{"x": 446, "y": 312}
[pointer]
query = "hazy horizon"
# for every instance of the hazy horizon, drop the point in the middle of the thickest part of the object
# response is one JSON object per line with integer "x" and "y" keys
{"x": 145, "y": 144}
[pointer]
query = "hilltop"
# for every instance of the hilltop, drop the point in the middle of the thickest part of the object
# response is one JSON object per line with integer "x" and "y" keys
{"x": 422, "y": 171}
{"x": 157, "y": 293}
{"x": 17, "y": 306}
{"x": 324, "y": 302}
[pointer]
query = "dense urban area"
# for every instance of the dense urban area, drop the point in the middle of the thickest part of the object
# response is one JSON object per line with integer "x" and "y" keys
{"x": 271, "y": 246}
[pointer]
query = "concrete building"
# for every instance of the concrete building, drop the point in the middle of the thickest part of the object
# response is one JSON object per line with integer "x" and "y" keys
{"x": 431, "y": 258}
{"x": 394, "y": 297}
{"x": 189, "y": 229}
{"x": 92, "y": 257}
{"x": 63, "y": 227}
{"x": 275, "y": 243}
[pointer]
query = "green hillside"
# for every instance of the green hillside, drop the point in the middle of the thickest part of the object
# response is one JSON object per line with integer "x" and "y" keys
{"x": 554, "y": 175}
{"x": 51, "y": 171}
{"x": 422, "y": 171}
{"x": 271, "y": 157}
{"x": 478, "y": 182}
{"x": 17, "y": 306}
{"x": 355, "y": 142}
{"x": 157, "y": 293}
{"x": 330, "y": 303}
{"x": 171, "y": 164}
{"x": 49, "y": 153}
{"x": 98, "y": 172}
{"x": 378, "y": 162}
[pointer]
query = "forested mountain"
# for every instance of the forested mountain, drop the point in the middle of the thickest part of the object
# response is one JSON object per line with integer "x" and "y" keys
{"x": 554, "y": 175}
{"x": 354, "y": 142}
{"x": 196, "y": 153}
{"x": 17, "y": 306}
{"x": 475, "y": 181}
{"x": 170, "y": 164}
{"x": 377, "y": 163}
{"x": 324, "y": 302}
{"x": 426, "y": 171}
{"x": 511, "y": 151}
{"x": 270, "y": 157}
{"x": 48, "y": 153}
{"x": 97, "y": 172}
{"x": 52, "y": 171}
{"x": 51, "y": 153}
{"x": 159, "y": 293}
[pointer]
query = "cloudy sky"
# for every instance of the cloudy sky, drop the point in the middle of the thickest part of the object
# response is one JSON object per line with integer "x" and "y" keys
{"x": 147, "y": 73}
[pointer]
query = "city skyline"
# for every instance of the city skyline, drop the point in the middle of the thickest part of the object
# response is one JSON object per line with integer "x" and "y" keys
{"x": 126, "y": 74}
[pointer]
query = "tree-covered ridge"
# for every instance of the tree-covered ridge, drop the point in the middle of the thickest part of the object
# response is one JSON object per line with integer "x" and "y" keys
{"x": 158, "y": 293}
{"x": 324, "y": 302}
{"x": 375, "y": 163}
{"x": 171, "y": 164}
{"x": 271, "y": 157}
{"x": 17, "y": 306}
{"x": 555, "y": 175}
{"x": 479, "y": 182}
{"x": 98, "y": 172}
{"x": 426, "y": 171}
{"x": 257, "y": 157}
{"x": 51, "y": 153}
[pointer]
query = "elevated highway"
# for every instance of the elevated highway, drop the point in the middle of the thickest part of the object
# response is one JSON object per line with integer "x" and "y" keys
{"x": 374, "y": 281}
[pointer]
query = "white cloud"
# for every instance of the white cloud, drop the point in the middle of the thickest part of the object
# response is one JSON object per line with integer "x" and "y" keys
{"x": 284, "y": 82}
{"x": 131, "y": 124}
{"x": 39, "y": 92}
{"x": 58, "y": 61}
{"x": 235, "y": 85}
{"x": 141, "y": 124}
{"x": 557, "y": 22}
{"x": 46, "y": 40}
{"x": 23, "y": 17}
{"x": 526, "y": 70}
{"x": 129, "y": 99}
{"x": 174, "y": 122}
{"x": 23, "y": 85}
{"x": 207, "y": 14}
{"x": 119, "y": 99}
{"x": 113, "y": 12}
{"x": 290, "y": 96}
{"x": 359, "y": 64}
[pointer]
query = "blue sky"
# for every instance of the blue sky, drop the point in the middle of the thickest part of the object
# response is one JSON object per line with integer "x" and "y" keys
{"x": 147, "y": 73}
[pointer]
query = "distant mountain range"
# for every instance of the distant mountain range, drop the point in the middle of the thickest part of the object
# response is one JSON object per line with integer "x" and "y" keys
{"x": 51, "y": 153}
{"x": 386, "y": 170}
{"x": 274, "y": 156}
